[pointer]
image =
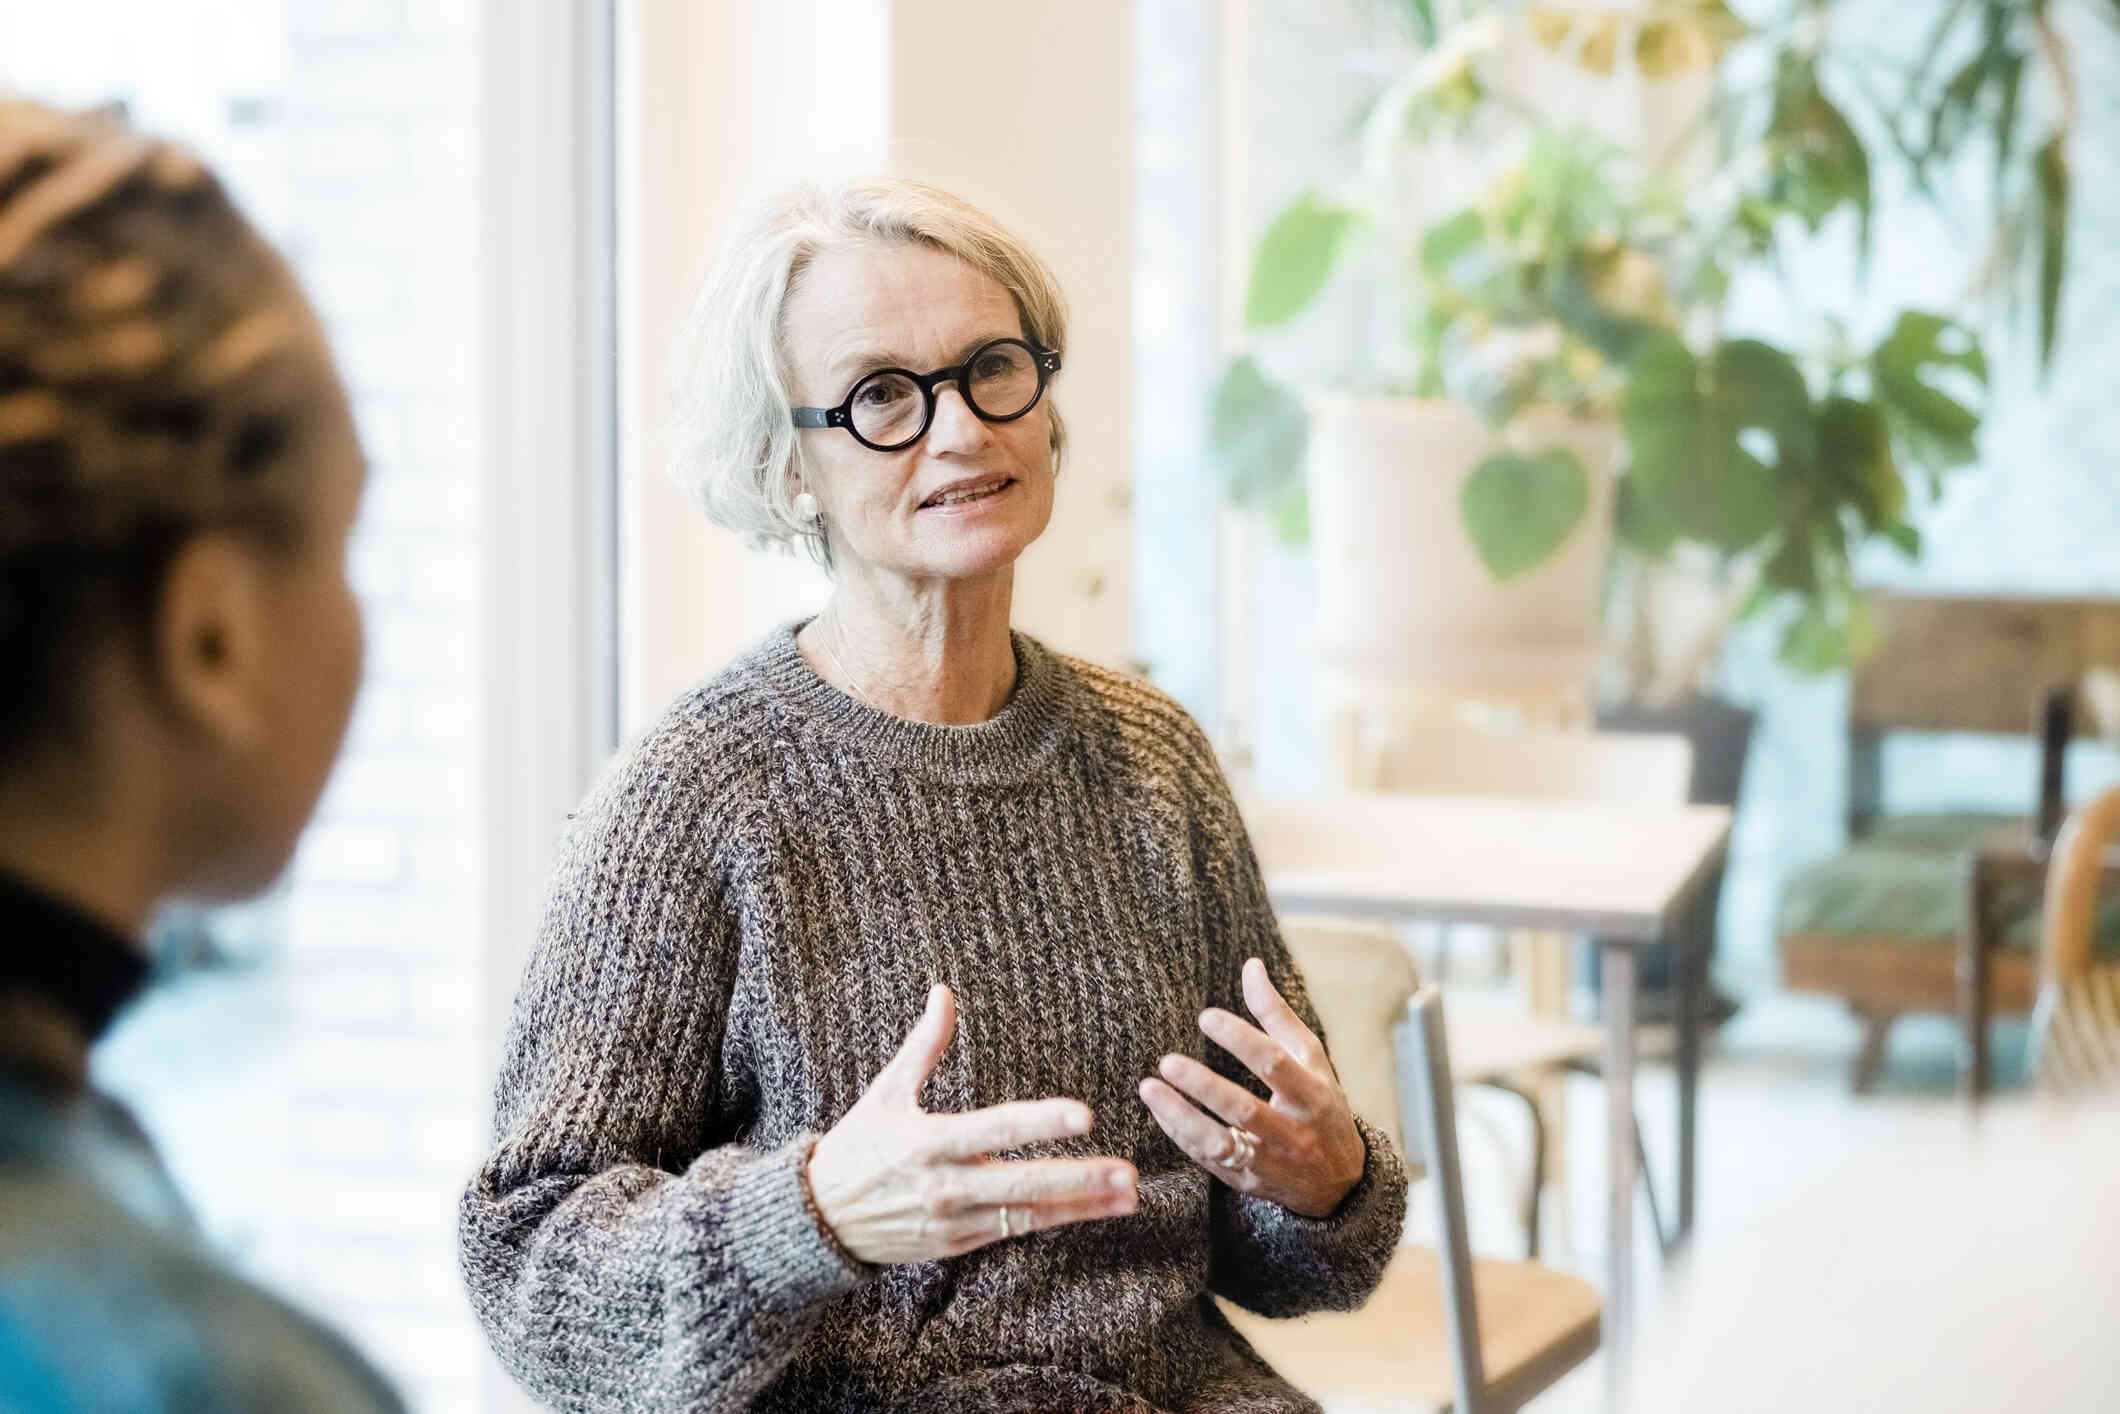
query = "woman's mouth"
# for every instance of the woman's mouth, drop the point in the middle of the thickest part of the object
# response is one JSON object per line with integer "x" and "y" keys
{"x": 968, "y": 495}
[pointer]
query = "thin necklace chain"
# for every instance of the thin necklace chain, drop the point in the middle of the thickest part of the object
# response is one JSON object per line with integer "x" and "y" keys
{"x": 825, "y": 643}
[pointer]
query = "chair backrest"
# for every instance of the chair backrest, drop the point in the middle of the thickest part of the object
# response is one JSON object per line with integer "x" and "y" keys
{"x": 1359, "y": 979}
{"x": 1951, "y": 663}
{"x": 1958, "y": 664}
{"x": 1435, "y": 1124}
{"x": 2076, "y": 1022}
{"x": 1609, "y": 768}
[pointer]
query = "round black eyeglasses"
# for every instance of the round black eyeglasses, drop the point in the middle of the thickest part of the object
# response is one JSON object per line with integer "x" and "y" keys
{"x": 890, "y": 409}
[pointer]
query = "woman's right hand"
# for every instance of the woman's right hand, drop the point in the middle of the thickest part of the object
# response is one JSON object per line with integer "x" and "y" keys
{"x": 897, "y": 1184}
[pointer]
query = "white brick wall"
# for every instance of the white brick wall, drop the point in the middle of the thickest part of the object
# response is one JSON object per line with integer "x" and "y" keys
{"x": 387, "y": 1106}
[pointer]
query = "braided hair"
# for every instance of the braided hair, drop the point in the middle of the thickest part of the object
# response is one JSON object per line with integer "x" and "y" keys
{"x": 153, "y": 379}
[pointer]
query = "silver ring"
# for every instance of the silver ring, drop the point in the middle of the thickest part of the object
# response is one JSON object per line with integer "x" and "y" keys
{"x": 1005, "y": 1231}
{"x": 1246, "y": 1146}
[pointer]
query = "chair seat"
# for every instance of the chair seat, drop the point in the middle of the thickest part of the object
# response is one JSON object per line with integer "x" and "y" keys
{"x": 1536, "y": 1324}
{"x": 1492, "y": 1040}
{"x": 1906, "y": 881}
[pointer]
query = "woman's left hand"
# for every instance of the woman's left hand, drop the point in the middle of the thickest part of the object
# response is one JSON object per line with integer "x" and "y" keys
{"x": 1306, "y": 1153}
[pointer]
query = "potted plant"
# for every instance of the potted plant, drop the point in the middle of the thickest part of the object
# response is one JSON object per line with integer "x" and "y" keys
{"x": 1576, "y": 304}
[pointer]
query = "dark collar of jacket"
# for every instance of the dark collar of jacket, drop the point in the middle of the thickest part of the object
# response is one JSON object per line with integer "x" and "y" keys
{"x": 63, "y": 977}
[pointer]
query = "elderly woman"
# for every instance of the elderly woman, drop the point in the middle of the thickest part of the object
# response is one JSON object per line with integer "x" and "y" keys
{"x": 179, "y": 651}
{"x": 725, "y": 1174}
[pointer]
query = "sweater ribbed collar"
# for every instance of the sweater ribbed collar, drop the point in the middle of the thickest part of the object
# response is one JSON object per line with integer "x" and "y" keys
{"x": 1005, "y": 748}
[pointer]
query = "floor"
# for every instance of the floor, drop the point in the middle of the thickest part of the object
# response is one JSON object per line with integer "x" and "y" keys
{"x": 1775, "y": 1113}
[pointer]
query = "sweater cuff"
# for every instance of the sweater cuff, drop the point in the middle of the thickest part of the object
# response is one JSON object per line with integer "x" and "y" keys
{"x": 782, "y": 1245}
{"x": 1367, "y": 1221}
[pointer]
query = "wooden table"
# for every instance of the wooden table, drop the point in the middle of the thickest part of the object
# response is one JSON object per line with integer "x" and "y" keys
{"x": 1625, "y": 874}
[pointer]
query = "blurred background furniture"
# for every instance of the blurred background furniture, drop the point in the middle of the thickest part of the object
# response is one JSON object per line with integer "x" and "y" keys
{"x": 1881, "y": 923}
{"x": 1721, "y": 735}
{"x": 2076, "y": 1021}
{"x": 1525, "y": 1052}
{"x": 1443, "y": 1328}
{"x": 1626, "y": 873}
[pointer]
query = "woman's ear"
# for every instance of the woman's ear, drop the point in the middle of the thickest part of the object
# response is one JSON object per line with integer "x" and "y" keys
{"x": 209, "y": 641}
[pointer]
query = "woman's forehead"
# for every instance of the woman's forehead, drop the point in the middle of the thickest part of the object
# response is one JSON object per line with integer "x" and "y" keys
{"x": 898, "y": 302}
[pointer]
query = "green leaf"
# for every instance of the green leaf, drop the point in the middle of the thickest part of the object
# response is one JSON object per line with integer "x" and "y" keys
{"x": 1256, "y": 434}
{"x": 1448, "y": 240}
{"x": 1818, "y": 161}
{"x": 1296, "y": 257}
{"x": 1639, "y": 524}
{"x": 2051, "y": 167}
{"x": 1939, "y": 32}
{"x": 1685, "y": 422}
{"x": 1425, "y": 331}
{"x": 1420, "y": 19}
{"x": 1792, "y": 566}
{"x": 1956, "y": 106}
{"x": 1519, "y": 509}
{"x": 1836, "y": 628}
{"x": 1934, "y": 428}
{"x": 1906, "y": 538}
{"x": 1813, "y": 643}
{"x": 2006, "y": 123}
{"x": 1756, "y": 385}
{"x": 1289, "y": 515}
{"x": 1855, "y": 461}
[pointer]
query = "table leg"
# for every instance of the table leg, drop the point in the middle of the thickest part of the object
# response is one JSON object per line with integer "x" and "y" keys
{"x": 1617, "y": 964}
{"x": 1689, "y": 966}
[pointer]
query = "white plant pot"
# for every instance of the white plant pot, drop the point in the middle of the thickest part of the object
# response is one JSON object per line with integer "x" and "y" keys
{"x": 1403, "y": 596}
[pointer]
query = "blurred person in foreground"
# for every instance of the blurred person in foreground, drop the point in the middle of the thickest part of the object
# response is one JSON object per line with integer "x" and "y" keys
{"x": 909, "y": 1028}
{"x": 179, "y": 651}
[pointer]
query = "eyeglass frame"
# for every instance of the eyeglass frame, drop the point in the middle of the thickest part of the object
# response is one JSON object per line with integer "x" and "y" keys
{"x": 1046, "y": 361}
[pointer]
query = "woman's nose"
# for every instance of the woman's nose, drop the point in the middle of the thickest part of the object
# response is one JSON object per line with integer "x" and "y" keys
{"x": 956, "y": 427}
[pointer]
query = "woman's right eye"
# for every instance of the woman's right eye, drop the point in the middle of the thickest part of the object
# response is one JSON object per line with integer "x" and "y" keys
{"x": 878, "y": 395}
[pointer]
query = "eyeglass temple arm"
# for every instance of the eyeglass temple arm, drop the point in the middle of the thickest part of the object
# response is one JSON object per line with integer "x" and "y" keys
{"x": 816, "y": 417}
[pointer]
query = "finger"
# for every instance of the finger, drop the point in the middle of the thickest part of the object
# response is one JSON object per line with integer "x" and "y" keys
{"x": 1109, "y": 1205}
{"x": 908, "y": 1071}
{"x": 1279, "y": 1018}
{"x": 982, "y": 1228}
{"x": 1207, "y": 1143}
{"x": 1262, "y": 1055}
{"x": 1231, "y": 1102}
{"x": 1009, "y": 1126}
{"x": 1039, "y": 1182}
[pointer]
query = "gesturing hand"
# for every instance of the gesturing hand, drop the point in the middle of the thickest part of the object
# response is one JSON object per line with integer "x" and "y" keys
{"x": 900, "y": 1185}
{"x": 1305, "y": 1152}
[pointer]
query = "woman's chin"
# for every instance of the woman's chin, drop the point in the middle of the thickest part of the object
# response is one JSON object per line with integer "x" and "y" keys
{"x": 978, "y": 549}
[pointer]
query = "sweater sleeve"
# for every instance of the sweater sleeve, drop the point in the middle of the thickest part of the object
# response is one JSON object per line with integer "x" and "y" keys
{"x": 1266, "y": 1257}
{"x": 622, "y": 1248}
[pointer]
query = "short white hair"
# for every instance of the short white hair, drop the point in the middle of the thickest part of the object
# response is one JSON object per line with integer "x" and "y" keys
{"x": 732, "y": 436}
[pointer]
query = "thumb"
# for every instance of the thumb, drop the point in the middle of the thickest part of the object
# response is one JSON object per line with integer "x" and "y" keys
{"x": 908, "y": 1072}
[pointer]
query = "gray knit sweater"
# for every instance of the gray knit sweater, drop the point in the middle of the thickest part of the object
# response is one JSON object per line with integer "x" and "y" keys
{"x": 747, "y": 915}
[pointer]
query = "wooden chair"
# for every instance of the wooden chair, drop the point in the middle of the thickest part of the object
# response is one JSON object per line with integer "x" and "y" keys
{"x": 1880, "y": 924}
{"x": 2076, "y": 1021}
{"x": 1443, "y": 1328}
{"x": 1506, "y": 1049}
